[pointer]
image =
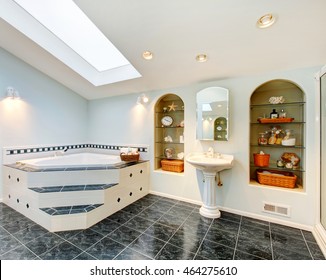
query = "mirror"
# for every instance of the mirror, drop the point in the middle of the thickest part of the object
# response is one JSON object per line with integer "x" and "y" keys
{"x": 213, "y": 114}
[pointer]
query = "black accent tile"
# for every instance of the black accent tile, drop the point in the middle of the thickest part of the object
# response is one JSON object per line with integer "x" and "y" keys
{"x": 315, "y": 251}
{"x": 8, "y": 243}
{"x": 85, "y": 257}
{"x": 43, "y": 243}
{"x": 85, "y": 238}
{"x": 147, "y": 245}
{"x": 255, "y": 233}
{"x": 134, "y": 208}
{"x": 244, "y": 256}
{"x": 19, "y": 253}
{"x": 63, "y": 251}
{"x": 3, "y": 233}
{"x": 256, "y": 247}
{"x": 227, "y": 238}
{"x": 180, "y": 211}
{"x": 150, "y": 214}
{"x": 105, "y": 226}
{"x": 286, "y": 231}
{"x": 214, "y": 251}
{"x": 308, "y": 236}
{"x": 139, "y": 224}
{"x": 121, "y": 217}
{"x": 230, "y": 216}
{"x": 137, "y": 227}
{"x": 73, "y": 188}
{"x": 160, "y": 231}
{"x": 124, "y": 235}
{"x": 171, "y": 252}
{"x": 17, "y": 225}
{"x": 27, "y": 234}
{"x": 250, "y": 222}
{"x": 105, "y": 249}
{"x": 185, "y": 240}
{"x": 284, "y": 254}
{"x": 227, "y": 225}
{"x": 296, "y": 245}
{"x": 171, "y": 220}
{"x": 129, "y": 254}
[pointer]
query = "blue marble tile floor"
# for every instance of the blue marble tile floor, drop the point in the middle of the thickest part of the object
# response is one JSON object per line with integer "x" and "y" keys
{"x": 157, "y": 228}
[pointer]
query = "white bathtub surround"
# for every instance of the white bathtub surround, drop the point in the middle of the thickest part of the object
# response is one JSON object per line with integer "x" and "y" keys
{"x": 69, "y": 198}
{"x": 72, "y": 160}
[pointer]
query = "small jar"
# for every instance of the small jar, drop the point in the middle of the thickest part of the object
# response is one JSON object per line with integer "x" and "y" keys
{"x": 272, "y": 139}
{"x": 262, "y": 140}
{"x": 282, "y": 114}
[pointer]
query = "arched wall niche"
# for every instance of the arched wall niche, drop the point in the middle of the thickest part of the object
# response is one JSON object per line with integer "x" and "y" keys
{"x": 280, "y": 138}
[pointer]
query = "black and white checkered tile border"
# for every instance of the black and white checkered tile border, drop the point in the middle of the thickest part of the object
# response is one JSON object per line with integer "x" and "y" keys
{"x": 69, "y": 147}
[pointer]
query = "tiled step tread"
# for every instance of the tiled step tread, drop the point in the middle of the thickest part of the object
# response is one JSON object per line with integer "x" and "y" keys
{"x": 72, "y": 188}
{"x": 68, "y": 210}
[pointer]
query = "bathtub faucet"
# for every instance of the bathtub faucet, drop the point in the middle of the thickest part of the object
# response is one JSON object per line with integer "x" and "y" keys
{"x": 60, "y": 153}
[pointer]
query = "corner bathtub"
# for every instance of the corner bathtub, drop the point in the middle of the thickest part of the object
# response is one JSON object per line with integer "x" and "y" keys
{"x": 73, "y": 160}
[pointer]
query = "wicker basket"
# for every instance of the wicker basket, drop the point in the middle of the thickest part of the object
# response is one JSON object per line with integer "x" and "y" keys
{"x": 277, "y": 178}
{"x": 172, "y": 165}
{"x": 261, "y": 160}
{"x": 131, "y": 157}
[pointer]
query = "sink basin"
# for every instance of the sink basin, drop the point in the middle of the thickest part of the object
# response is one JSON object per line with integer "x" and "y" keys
{"x": 210, "y": 164}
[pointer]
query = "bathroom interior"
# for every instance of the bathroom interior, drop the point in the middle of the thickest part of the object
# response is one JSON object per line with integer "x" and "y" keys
{"x": 200, "y": 130}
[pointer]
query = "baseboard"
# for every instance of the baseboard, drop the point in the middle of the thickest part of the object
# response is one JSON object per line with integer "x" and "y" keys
{"x": 268, "y": 219}
{"x": 241, "y": 213}
{"x": 176, "y": 197}
{"x": 320, "y": 235}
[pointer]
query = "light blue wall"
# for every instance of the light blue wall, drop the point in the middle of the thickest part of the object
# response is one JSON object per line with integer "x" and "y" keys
{"x": 119, "y": 119}
{"x": 48, "y": 112}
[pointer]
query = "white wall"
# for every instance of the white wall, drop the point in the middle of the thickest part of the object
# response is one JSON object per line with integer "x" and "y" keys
{"x": 120, "y": 120}
{"x": 48, "y": 112}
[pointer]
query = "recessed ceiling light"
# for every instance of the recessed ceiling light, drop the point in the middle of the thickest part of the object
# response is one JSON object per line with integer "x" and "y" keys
{"x": 148, "y": 55}
{"x": 201, "y": 57}
{"x": 266, "y": 21}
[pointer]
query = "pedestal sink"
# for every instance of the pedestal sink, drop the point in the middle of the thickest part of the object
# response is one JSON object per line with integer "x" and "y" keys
{"x": 210, "y": 166}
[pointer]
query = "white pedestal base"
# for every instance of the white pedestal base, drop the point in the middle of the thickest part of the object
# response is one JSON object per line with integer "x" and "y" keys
{"x": 212, "y": 213}
{"x": 209, "y": 208}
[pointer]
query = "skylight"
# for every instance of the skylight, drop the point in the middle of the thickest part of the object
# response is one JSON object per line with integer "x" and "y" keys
{"x": 65, "y": 21}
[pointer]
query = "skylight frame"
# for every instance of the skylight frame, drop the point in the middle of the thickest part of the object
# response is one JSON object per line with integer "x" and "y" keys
{"x": 67, "y": 21}
{"x": 19, "y": 18}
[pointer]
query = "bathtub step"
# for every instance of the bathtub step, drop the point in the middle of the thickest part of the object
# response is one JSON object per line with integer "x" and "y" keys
{"x": 68, "y": 210}
{"x": 72, "y": 188}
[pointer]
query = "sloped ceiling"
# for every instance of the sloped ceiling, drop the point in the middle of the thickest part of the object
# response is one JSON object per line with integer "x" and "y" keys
{"x": 176, "y": 31}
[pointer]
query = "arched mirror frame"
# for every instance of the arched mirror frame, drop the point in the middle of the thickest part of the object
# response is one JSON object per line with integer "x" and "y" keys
{"x": 212, "y": 114}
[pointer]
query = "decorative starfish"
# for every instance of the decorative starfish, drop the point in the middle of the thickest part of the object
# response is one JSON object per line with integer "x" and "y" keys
{"x": 172, "y": 107}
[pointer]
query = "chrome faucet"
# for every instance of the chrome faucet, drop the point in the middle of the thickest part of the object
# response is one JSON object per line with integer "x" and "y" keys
{"x": 210, "y": 152}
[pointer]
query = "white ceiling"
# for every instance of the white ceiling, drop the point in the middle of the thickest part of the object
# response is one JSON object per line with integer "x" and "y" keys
{"x": 176, "y": 31}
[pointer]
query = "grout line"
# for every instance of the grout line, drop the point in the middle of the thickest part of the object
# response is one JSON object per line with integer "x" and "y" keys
{"x": 311, "y": 255}
{"x": 236, "y": 242}
{"x": 174, "y": 234}
{"x": 209, "y": 227}
{"x": 271, "y": 240}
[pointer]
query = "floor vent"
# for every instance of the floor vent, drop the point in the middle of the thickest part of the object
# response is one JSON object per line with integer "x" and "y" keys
{"x": 276, "y": 209}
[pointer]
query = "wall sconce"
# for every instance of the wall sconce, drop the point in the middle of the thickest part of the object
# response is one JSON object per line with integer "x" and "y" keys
{"x": 142, "y": 99}
{"x": 12, "y": 93}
